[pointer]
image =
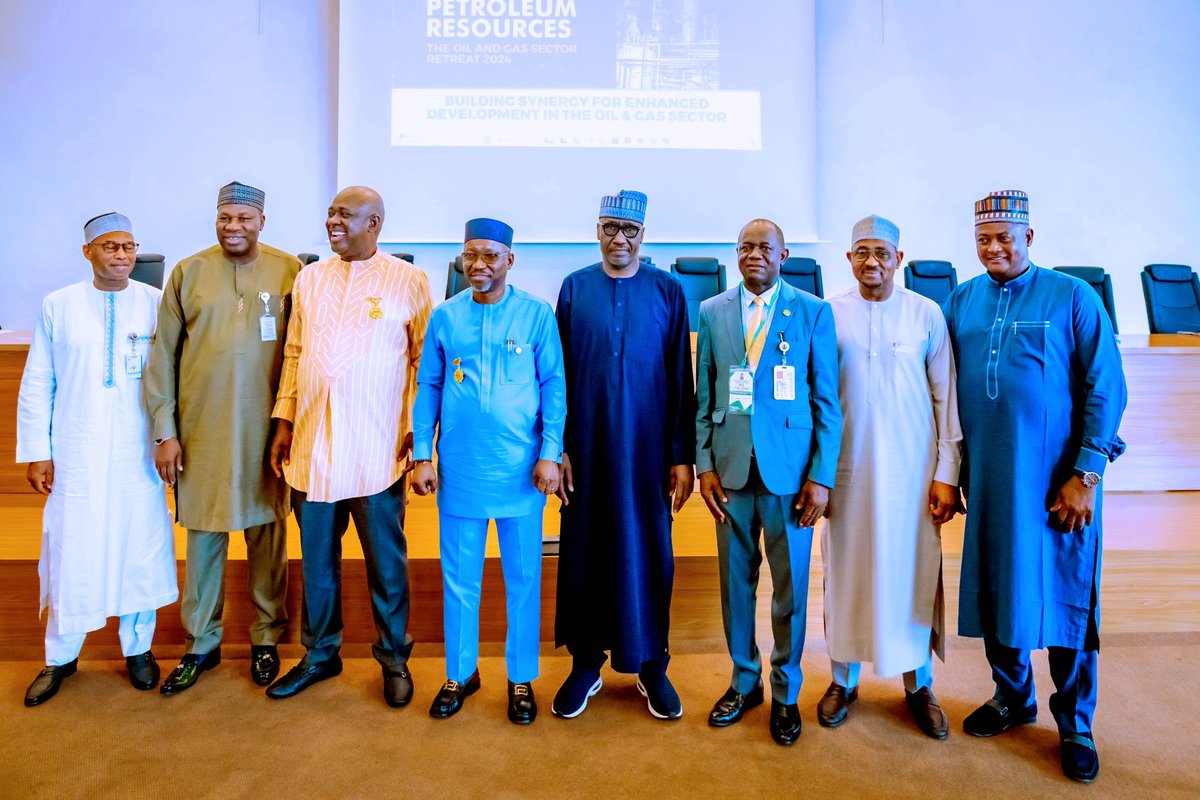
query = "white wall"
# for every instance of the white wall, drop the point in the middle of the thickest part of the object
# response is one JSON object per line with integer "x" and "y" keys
{"x": 148, "y": 106}
{"x": 1090, "y": 106}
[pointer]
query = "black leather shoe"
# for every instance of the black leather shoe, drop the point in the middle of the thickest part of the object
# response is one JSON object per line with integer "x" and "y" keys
{"x": 785, "y": 723}
{"x": 188, "y": 671}
{"x": 264, "y": 664}
{"x": 834, "y": 706}
{"x": 450, "y": 699}
{"x": 1080, "y": 761}
{"x": 46, "y": 684}
{"x": 733, "y": 706}
{"x": 927, "y": 713}
{"x": 522, "y": 708}
{"x": 143, "y": 670}
{"x": 302, "y": 676}
{"x": 994, "y": 717}
{"x": 397, "y": 687}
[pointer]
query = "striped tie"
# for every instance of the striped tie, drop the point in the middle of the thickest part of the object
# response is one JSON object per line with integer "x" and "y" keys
{"x": 754, "y": 343}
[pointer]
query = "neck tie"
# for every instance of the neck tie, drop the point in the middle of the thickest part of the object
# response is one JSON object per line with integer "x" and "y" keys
{"x": 756, "y": 334}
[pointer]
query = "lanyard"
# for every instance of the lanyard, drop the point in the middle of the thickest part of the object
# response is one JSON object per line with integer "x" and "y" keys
{"x": 766, "y": 316}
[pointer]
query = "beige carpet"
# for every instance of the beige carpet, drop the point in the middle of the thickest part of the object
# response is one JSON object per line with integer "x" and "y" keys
{"x": 224, "y": 739}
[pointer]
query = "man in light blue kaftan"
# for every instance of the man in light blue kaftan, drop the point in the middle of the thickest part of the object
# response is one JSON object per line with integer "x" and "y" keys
{"x": 1041, "y": 392}
{"x": 491, "y": 382}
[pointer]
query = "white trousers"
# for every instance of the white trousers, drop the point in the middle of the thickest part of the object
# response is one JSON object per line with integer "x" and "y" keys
{"x": 136, "y": 631}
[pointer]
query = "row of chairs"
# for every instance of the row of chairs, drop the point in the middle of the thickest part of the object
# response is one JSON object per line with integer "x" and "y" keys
{"x": 1171, "y": 291}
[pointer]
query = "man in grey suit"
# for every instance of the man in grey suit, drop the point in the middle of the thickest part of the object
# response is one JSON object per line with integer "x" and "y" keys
{"x": 768, "y": 430}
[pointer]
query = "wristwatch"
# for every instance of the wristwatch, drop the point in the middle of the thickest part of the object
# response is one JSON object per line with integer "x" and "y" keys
{"x": 1090, "y": 479}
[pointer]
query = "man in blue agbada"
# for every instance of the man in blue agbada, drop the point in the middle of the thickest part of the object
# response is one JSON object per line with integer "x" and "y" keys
{"x": 491, "y": 382}
{"x": 1040, "y": 394}
{"x": 630, "y": 446}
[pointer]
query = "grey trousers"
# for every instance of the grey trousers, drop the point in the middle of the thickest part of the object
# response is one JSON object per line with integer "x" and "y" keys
{"x": 751, "y": 512}
{"x": 204, "y": 591}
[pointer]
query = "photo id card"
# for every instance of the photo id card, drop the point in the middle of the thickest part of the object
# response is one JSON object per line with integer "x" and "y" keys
{"x": 785, "y": 382}
{"x": 266, "y": 328}
{"x": 741, "y": 390}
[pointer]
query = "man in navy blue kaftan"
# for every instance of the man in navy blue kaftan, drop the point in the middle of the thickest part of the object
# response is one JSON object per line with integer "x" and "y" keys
{"x": 629, "y": 448}
{"x": 1041, "y": 392}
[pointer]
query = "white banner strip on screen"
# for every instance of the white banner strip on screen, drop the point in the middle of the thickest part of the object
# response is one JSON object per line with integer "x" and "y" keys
{"x": 575, "y": 118}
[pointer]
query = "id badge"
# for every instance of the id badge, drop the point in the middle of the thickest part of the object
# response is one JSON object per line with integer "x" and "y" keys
{"x": 785, "y": 382}
{"x": 266, "y": 328}
{"x": 741, "y": 390}
{"x": 133, "y": 366}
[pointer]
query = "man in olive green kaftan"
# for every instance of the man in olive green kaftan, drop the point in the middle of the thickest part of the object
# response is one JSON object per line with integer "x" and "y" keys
{"x": 210, "y": 385}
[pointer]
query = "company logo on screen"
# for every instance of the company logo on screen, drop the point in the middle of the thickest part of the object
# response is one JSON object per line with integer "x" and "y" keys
{"x": 500, "y": 19}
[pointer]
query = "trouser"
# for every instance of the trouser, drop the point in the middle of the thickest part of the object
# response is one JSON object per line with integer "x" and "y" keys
{"x": 749, "y": 512}
{"x": 203, "y": 602}
{"x": 462, "y": 549}
{"x": 136, "y": 631}
{"x": 1073, "y": 673}
{"x": 379, "y": 520}
{"x": 845, "y": 674}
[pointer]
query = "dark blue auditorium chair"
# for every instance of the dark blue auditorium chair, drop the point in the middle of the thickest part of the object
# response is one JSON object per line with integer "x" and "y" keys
{"x": 932, "y": 279}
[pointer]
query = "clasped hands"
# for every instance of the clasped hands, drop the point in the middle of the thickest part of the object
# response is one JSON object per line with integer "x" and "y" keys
{"x": 546, "y": 477}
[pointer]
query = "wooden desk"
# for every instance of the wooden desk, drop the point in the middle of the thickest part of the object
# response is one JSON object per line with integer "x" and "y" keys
{"x": 1161, "y": 426}
{"x": 14, "y": 347}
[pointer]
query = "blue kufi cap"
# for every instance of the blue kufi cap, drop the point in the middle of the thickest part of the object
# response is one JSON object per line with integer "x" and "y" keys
{"x": 628, "y": 204}
{"x": 491, "y": 229}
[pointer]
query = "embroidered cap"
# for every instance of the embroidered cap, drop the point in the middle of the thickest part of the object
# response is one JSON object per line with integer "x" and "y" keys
{"x": 874, "y": 227}
{"x": 106, "y": 223}
{"x": 1006, "y": 205}
{"x": 239, "y": 194}
{"x": 628, "y": 204}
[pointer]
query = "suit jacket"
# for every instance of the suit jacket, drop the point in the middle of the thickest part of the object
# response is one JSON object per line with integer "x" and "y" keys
{"x": 794, "y": 440}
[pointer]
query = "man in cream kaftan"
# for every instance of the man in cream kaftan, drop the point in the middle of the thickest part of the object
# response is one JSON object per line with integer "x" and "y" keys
{"x": 895, "y": 484}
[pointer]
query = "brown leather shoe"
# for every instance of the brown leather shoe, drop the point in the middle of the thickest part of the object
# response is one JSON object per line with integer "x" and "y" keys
{"x": 835, "y": 705}
{"x": 927, "y": 713}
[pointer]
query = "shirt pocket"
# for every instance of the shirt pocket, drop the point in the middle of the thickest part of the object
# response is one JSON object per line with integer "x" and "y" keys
{"x": 1027, "y": 345}
{"x": 516, "y": 364}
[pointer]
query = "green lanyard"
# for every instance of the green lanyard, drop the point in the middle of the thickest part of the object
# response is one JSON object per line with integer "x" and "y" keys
{"x": 766, "y": 316}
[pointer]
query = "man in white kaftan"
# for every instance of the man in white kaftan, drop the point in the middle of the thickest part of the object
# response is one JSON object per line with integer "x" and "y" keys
{"x": 107, "y": 543}
{"x": 896, "y": 483}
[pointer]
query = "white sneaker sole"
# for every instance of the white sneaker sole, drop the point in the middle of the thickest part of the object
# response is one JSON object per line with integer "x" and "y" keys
{"x": 650, "y": 705}
{"x": 592, "y": 692}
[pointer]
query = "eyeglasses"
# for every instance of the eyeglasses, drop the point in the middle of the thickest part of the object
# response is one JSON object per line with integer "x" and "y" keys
{"x": 488, "y": 258}
{"x": 630, "y": 231}
{"x": 748, "y": 249}
{"x": 113, "y": 247}
{"x": 882, "y": 254}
